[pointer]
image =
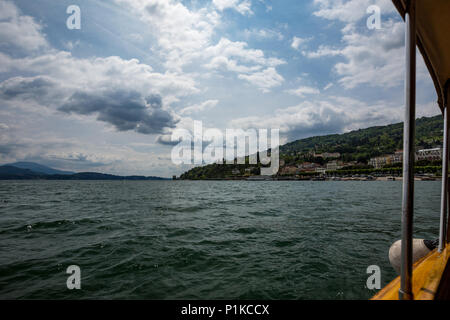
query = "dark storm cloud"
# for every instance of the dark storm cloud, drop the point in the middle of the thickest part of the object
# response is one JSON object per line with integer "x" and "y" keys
{"x": 125, "y": 110}
{"x": 166, "y": 140}
{"x": 36, "y": 88}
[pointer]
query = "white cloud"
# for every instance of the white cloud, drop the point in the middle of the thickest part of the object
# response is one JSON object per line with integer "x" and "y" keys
{"x": 101, "y": 73}
{"x": 250, "y": 64}
{"x": 263, "y": 34}
{"x": 18, "y": 30}
{"x": 302, "y": 91}
{"x": 369, "y": 57}
{"x": 6, "y": 62}
{"x": 297, "y": 42}
{"x": 226, "y": 63}
{"x": 375, "y": 59}
{"x": 181, "y": 33}
{"x": 185, "y": 36}
{"x": 328, "y": 86}
{"x": 209, "y": 104}
{"x": 323, "y": 116}
{"x": 241, "y": 6}
{"x": 229, "y": 54}
{"x": 265, "y": 80}
{"x": 322, "y": 51}
{"x": 350, "y": 10}
{"x": 70, "y": 45}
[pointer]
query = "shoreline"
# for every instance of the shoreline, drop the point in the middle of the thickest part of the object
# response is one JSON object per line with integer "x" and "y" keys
{"x": 263, "y": 178}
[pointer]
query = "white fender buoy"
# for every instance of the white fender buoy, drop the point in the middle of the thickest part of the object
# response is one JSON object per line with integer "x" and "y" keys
{"x": 395, "y": 252}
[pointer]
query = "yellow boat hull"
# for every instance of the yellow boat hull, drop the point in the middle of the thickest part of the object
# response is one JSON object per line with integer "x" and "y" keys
{"x": 427, "y": 279}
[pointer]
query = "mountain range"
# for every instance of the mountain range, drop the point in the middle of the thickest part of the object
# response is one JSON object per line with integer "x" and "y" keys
{"x": 35, "y": 171}
{"x": 38, "y": 168}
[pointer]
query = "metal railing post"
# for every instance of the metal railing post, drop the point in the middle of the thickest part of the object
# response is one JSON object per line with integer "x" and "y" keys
{"x": 444, "y": 188}
{"x": 405, "y": 292}
{"x": 448, "y": 206}
{"x": 446, "y": 221}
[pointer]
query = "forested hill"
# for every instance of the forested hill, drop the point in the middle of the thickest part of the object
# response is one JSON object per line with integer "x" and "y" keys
{"x": 359, "y": 146}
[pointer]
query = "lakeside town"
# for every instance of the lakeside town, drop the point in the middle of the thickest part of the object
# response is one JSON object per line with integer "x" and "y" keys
{"x": 386, "y": 167}
{"x": 328, "y": 166}
{"x": 373, "y": 153}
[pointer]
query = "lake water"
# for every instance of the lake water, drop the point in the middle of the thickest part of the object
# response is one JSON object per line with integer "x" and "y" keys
{"x": 202, "y": 239}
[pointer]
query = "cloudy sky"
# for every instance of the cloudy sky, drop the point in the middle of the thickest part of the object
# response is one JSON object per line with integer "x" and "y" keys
{"x": 106, "y": 97}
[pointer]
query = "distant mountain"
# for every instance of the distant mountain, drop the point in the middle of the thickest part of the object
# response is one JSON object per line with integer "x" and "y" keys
{"x": 98, "y": 176}
{"x": 38, "y": 168}
{"x": 10, "y": 172}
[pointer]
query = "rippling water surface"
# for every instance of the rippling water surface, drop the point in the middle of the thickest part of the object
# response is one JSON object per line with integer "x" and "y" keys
{"x": 202, "y": 239}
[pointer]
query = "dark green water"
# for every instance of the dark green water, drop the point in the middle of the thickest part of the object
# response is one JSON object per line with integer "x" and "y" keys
{"x": 202, "y": 240}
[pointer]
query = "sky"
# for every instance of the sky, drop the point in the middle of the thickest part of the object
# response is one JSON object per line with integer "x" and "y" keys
{"x": 108, "y": 96}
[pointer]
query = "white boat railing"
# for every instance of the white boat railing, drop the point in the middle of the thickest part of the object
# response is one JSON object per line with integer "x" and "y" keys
{"x": 405, "y": 292}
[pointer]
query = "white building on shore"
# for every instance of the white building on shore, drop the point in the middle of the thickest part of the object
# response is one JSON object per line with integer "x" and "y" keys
{"x": 434, "y": 154}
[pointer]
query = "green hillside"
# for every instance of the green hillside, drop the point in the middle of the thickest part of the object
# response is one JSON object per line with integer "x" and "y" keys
{"x": 359, "y": 145}
{"x": 363, "y": 144}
